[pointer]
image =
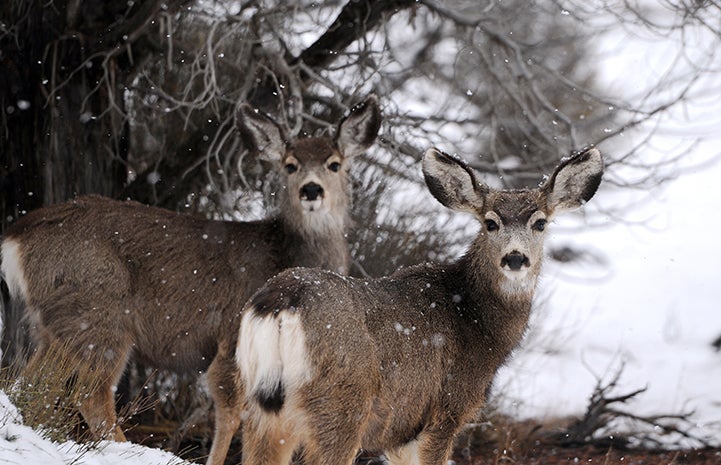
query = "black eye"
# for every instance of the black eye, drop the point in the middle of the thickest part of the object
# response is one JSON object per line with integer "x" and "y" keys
{"x": 491, "y": 225}
{"x": 539, "y": 225}
{"x": 291, "y": 168}
{"x": 334, "y": 167}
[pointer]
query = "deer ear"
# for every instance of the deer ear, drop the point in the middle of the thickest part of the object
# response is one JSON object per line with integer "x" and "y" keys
{"x": 452, "y": 182}
{"x": 574, "y": 181}
{"x": 260, "y": 133}
{"x": 357, "y": 131}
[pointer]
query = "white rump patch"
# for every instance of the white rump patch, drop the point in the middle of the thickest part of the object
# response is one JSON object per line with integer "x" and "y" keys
{"x": 272, "y": 351}
{"x": 12, "y": 269}
{"x": 257, "y": 353}
{"x": 296, "y": 366}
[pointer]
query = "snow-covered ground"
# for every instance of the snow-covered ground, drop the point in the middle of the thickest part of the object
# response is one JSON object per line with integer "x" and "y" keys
{"x": 20, "y": 445}
{"x": 652, "y": 306}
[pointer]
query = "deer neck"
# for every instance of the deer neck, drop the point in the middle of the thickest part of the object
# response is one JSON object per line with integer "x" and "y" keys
{"x": 317, "y": 244}
{"x": 487, "y": 277}
{"x": 501, "y": 307}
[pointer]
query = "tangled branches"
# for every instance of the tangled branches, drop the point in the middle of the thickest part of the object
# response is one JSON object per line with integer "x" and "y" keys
{"x": 606, "y": 423}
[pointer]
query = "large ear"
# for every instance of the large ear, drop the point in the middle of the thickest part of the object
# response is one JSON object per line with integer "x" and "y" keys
{"x": 575, "y": 181}
{"x": 357, "y": 131}
{"x": 452, "y": 182}
{"x": 260, "y": 133}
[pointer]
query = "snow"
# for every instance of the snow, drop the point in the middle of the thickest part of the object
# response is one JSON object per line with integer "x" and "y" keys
{"x": 19, "y": 444}
{"x": 651, "y": 307}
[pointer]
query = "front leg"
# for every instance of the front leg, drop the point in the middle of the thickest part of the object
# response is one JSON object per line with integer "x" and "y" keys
{"x": 227, "y": 393}
{"x": 432, "y": 446}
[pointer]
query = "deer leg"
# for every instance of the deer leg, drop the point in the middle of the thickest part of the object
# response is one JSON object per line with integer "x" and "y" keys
{"x": 227, "y": 393}
{"x": 336, "y": 427}
{"x": 98, "y": 410}
{"x": 405, "y": 455}
{"x": 340, "y": 447}
{"x": 266, "y": 442}
{"x": 435, "y": 444}
{"x": 432, "y": 447}
{"x": 91, "y": 373}
{"x": 99, "y": 374}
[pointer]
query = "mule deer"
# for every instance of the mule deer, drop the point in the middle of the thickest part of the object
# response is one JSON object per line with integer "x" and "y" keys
{"x": 112, "y": 279}
{"x": 398, "y": 364}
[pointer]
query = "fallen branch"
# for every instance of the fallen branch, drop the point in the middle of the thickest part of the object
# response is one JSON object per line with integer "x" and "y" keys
{"x": 598, "y": 426}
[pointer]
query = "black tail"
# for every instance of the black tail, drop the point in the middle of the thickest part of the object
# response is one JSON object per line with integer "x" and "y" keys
{"x": 272, "y": 398}
{"x": 15, "y": 343}
{"x": 4, "y": 304}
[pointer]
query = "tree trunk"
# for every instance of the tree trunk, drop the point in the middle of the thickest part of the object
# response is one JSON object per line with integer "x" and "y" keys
{"x": 63, "y": 70}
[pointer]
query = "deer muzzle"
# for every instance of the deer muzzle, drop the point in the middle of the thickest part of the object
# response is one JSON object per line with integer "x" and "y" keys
{"x": 514, "y": 261}
{"x": 311, "y": 196}
{"x": 311, "y": 191}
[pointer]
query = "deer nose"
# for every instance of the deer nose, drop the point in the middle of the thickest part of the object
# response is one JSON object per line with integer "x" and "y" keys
{"x": 515, "y": 260}
{"x": 311, "y": 191}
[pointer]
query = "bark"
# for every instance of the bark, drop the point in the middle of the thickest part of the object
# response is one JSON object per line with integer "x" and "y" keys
{"x": 63, "y": 70}
{"x": 63, "y": 129}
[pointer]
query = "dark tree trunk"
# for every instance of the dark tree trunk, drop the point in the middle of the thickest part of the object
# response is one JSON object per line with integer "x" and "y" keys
{"x": 64, "y": 67}
{"x": 63, "y": 130}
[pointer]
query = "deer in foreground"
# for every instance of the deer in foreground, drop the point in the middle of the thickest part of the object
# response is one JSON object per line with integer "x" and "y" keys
{"x": 398, "y": 364}
{"x": 112, "y": 279}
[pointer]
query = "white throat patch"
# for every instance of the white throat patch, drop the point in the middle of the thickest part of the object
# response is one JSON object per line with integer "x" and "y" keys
{"x": 517, "y": 282}
{"x": 312, "y": 205}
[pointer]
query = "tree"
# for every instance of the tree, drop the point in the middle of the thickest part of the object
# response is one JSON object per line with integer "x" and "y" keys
{"x": 136, "y": 99}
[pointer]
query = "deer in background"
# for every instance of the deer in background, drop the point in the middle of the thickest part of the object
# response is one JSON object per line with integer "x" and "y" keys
{"x": 398, "y": 364}
{"x": 112, "y": 279}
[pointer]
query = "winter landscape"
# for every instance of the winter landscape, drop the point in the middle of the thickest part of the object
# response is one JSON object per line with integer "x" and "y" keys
{"x": 635, "y": 311}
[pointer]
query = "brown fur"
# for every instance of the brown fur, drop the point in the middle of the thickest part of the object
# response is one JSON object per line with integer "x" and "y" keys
{"x": 399, "y": 364}
{"x": 112, "y": 279}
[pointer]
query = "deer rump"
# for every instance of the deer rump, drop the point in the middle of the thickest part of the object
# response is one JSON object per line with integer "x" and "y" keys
{"x": 297, "y": 334}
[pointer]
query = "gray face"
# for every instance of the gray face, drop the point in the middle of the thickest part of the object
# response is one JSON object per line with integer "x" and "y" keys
{"x": 315, "y": 177}
{"x": 513, "y": 223}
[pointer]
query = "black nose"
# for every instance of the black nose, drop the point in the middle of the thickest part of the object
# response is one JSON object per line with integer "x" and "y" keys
{"x": 311, "y": 191}
{"x": 515, "y": 260}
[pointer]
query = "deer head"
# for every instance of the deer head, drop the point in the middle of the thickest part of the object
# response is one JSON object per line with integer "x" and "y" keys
{"x": 513, "y": 222}
{"x": 313, "y": 171}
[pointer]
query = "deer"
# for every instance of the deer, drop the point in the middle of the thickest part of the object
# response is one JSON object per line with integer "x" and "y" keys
{"x": 332, "y": 364}
{"x": 114, "y": 279}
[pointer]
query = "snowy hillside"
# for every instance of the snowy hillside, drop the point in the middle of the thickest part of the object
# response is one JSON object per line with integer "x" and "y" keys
{"x": 21, "y": 445}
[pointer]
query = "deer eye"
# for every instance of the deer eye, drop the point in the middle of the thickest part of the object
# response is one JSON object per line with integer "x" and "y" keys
{"x": 491, "y": 225}
{"x": 334, "y": 167}
{"x": 291, "y": 168}
{"x": 539, "y": 225}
